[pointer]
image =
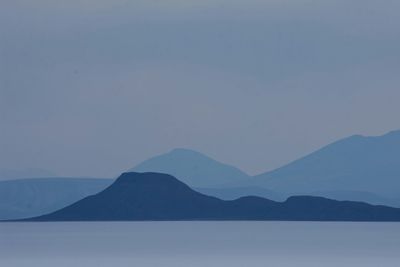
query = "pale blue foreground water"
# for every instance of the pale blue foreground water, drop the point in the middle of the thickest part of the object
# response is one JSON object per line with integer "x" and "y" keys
{"x": 192, "y": 244}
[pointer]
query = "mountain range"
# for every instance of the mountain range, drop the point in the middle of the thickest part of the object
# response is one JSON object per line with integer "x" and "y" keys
{"x": 357, "y": 168}
{"x": 358, "y": 164}
{"x": 161, "y": 197}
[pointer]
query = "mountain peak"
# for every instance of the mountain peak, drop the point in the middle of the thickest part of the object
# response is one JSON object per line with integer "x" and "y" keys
{"x": 193, "y": 168}
{"x": 146, "y": 178}
{"x": 187, "y": 153}
{"x": 357, "y": 163}
{"x": 181, "y": 150}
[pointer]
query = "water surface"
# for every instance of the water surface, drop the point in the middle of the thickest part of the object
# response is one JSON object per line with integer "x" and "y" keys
{"x": 175, "y": 244}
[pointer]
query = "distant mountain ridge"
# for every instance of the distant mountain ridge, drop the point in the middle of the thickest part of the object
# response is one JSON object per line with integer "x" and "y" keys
{"x": 357, "y": 163}
{"x": 9, "y": 174}
{"x": 193, "y": 168}
{"x": 357, "y": 168}
{"x": 161, "y": 197}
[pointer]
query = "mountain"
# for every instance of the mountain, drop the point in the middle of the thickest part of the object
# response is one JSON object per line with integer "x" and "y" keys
{"x": 358, "y": 196}
{"x": 37, "y": 196}
{"x": 23, "y": 198}
{"x": 159, "y": 197}
{"x": 232, "y": 193}
{"x": 9, "y": 174}
{"x": 357, "y": 163}
{"x": 193, "y": 168}
{"x": 357, "y": 168}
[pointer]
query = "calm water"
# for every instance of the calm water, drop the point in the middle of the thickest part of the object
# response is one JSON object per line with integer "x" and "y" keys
{"x": 209, "y": 244}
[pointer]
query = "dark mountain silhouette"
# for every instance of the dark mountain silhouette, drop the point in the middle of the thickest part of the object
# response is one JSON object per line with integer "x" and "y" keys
{"x": 193, "y": 168}
{"x": 358, "y": 168}
{"x": 360, "y": 196}
{"x": 25, "y": 198}
{"x": 231, "y": 193}
{"x": 37, "y": 196}
{"x": 370, "y": 165}
{"x": 155, "y": 196}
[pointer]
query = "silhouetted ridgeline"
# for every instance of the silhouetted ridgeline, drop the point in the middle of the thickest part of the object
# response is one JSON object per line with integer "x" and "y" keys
{"x": 358, "y": 167}
{"x": 26, "y": 198}
{"x": 158, "y": 197}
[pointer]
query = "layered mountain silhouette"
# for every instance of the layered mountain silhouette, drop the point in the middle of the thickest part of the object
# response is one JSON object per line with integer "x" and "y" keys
{"x": 37, "y": 196}
{"x": 232, "y": 193}
{"x": 367, "y": 165}
{"x": 365, "y": 169}
{"x": 193, "y": 168}
{"x": 357, "y": 168}
{"x": 24, "y": 198}
{"x": 159, "y": 197}
{"x": 205, "y": 175}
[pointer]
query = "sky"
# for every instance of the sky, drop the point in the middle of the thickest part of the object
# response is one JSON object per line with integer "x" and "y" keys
{"x": 94, "y": 87}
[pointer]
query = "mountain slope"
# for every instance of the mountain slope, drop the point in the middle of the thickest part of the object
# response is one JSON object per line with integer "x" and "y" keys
{"x": 155, "y": 196}
{"x": 193, "y": 168}
{"x": 26, "y": 198}
{"x": 33, "y": 197}
{"x": 232, "y": 193}
{"x": 358, "y": 163}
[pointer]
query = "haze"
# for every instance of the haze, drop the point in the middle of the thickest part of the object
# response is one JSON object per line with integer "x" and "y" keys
{"x": 91, "y": 88}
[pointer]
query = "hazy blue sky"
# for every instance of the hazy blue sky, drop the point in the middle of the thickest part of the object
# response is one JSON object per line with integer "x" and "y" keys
{"x": 93, "y": 87}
